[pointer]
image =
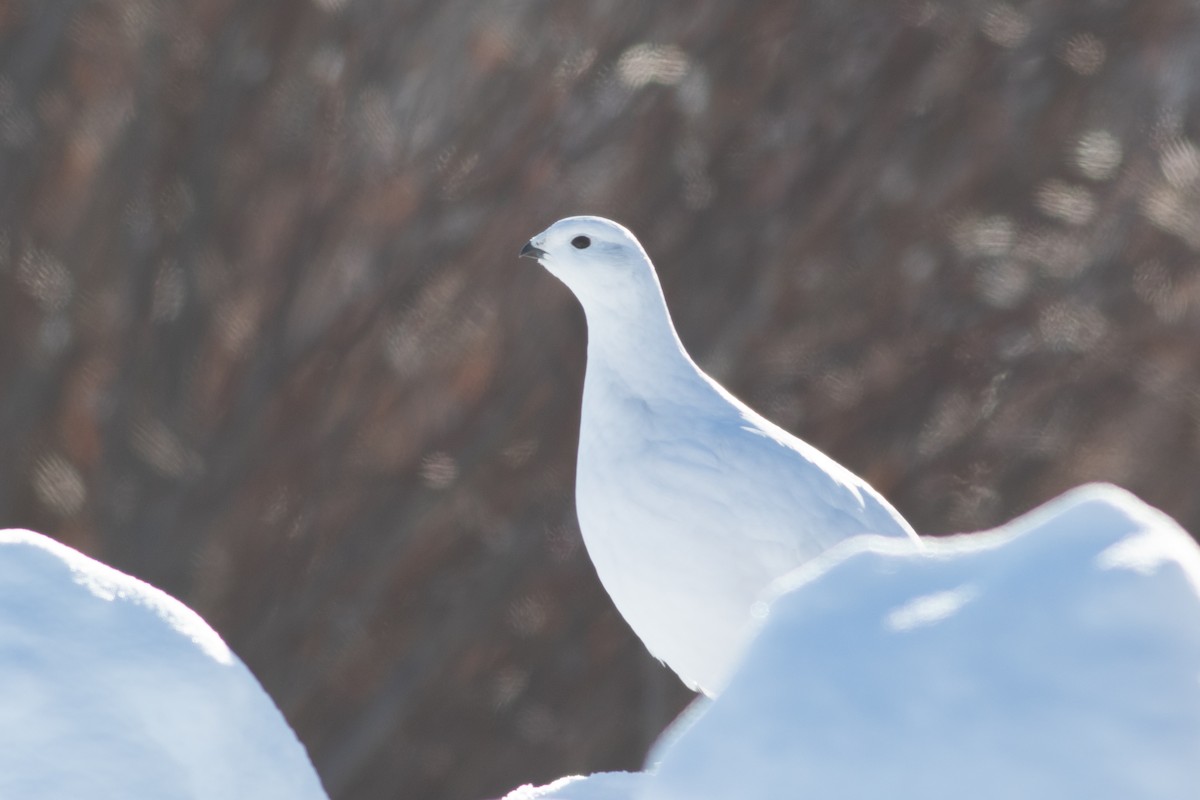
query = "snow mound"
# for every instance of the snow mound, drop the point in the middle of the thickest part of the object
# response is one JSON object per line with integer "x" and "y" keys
{"x": 1058, "y": 656}
{"x": 110, "y": 689}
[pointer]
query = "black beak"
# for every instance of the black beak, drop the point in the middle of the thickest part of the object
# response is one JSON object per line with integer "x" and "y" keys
{"x": 529, "y": 251}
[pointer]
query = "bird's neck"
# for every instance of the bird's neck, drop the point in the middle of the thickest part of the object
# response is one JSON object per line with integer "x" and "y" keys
{"x": 635, "y": 350}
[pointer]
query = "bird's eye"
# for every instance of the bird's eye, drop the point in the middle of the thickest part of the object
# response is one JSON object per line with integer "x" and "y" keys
{"x": 581, "y": 242}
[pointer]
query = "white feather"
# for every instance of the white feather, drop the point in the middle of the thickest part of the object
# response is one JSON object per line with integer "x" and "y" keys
{"x": 690, "y": 503}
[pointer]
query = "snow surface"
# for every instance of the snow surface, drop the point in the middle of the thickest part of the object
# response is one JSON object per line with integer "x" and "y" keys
{"x": 690, "y": 503}
{"x": 111, "y": 690}
{"x": 1056, "y": 657}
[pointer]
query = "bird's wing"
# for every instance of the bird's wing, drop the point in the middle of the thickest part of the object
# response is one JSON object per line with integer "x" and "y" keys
{"x": 764, "y": 483}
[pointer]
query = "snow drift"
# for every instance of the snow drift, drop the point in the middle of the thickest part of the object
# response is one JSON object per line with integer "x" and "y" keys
{"x": 111, "y": 689}
{"x": 1058, "y": 656}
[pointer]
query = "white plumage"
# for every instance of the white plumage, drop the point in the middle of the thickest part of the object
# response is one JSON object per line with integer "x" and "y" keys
{"x": 690, "y": 503}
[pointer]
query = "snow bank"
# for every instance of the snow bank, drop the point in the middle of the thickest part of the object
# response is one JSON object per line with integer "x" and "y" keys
{"x": 111, "y": 689}
{"x": 1056, "y": 657}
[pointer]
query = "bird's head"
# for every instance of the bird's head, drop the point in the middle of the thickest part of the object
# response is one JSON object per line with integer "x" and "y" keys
{"x": 599, "y": 260}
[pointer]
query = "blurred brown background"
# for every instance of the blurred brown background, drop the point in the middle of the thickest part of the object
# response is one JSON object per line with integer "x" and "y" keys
{"x": 265, "y": 342}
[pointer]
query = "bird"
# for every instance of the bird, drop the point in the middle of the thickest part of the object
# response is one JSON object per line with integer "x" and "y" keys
{"x": 689, "y": 502}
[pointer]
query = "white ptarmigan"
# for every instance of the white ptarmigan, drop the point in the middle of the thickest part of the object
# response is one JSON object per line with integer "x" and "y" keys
{"x": 690, "y": 503}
